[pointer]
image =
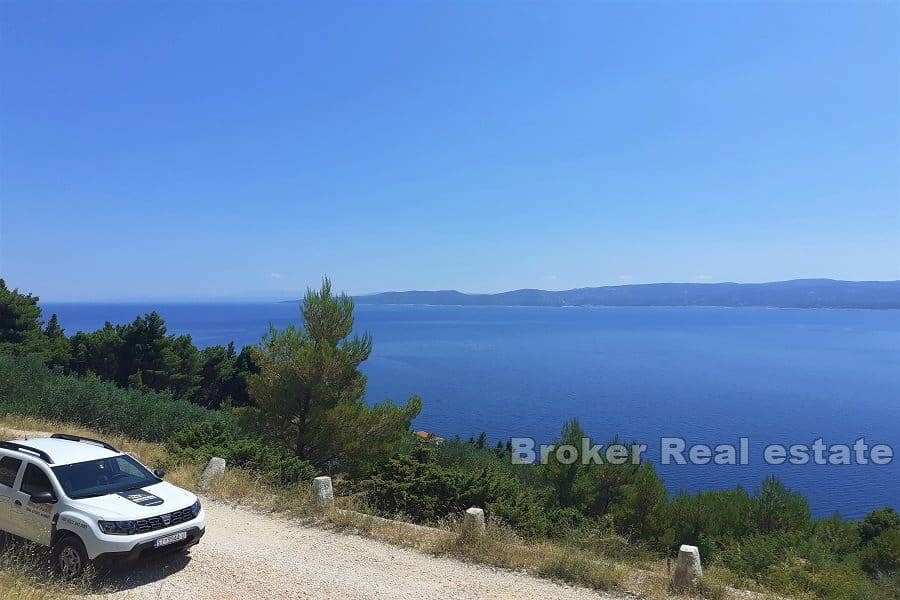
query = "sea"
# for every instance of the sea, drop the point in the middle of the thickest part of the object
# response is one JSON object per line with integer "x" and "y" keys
{"x": 651, "y": 375}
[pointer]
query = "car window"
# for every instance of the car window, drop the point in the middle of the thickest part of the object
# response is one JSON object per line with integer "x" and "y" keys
{"x": 9, "y": 467}
{"x": 129, "y": 468}
{"x": 35, "y": 481}
{"x": 104, "y": 476}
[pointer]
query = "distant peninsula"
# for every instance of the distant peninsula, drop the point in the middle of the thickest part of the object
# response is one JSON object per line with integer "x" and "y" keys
{"x": 797, "y": 293}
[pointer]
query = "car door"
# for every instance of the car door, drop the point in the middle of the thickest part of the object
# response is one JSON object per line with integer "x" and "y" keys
{"x": 35, "y": 520}
{"x": 9, "y": 471}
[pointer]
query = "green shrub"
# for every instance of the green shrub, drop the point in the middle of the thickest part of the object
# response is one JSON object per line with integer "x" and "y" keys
{"x": 567, "y": 520}
{"x": 877, "y": 522}
{"x": 466, "y": 455}
{"x": 708, "y": 519}
{"x": 882, "y": 555}
{"x": 520, "y": 510}
{"x": 838, "y": 537}
{"x": 643, "y": 511}
{"x": 804, "y": 565}
{"x": 223, "y": 439}
{"x": 418, "y": 487}
{"x": 758, "y": 552}
{"x": 837, "y": 581}
{"x": 780, "y": 509}
{"x": 29, "y": 388}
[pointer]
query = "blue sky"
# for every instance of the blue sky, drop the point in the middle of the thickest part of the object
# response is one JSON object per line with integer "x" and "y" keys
{"x": 234, "y": 149}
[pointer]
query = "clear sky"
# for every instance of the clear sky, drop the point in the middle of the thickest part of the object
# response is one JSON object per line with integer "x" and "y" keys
{"x": 188, "y": 149}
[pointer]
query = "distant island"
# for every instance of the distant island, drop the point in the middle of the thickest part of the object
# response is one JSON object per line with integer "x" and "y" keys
{"x": 798, "y": 293}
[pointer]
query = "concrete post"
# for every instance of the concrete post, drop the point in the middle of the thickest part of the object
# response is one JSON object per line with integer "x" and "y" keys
{"x": 688, "y": 569}
{"x": 324, "y": 491}
{"x": 473, "y": 521}
{"x": 214, "y": 470}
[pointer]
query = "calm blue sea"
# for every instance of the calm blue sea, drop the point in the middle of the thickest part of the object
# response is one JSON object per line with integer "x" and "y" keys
{"x": 710, "y": 375}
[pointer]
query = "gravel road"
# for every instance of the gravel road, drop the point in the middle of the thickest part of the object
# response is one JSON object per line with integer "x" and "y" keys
{"x": 247, "y": 555}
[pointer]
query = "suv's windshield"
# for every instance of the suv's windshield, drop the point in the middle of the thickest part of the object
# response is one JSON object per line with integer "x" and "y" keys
{"x": 104, "y": 476}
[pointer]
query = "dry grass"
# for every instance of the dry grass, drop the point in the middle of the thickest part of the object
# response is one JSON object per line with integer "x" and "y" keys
{"x": 149, "y": 453}
{"x": 715, "y": 577}
{"x": 500, "y": 547}
{"x": 249, "y": 489}
{"x": 397, "y": 533}
{"x": 18, "y": 587}
{"x": 24, "y": 575}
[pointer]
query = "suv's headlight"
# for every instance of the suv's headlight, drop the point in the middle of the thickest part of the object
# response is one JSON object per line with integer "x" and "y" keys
{"x": 195, "y": 508}
{"x": 118, "y": 527}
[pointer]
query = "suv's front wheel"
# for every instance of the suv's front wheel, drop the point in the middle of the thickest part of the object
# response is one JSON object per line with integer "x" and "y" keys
{"x": 69, "y": 557}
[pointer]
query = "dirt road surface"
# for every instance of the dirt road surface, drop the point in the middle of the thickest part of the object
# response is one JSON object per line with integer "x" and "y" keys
{"x": 248, "y": 555}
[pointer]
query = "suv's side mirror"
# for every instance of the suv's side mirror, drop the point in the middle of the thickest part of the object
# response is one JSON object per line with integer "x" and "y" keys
{"x": 160, "y": 473}
{"x": 43, "y": 498}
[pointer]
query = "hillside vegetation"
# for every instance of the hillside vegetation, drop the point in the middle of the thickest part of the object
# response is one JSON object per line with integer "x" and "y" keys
{"x": 799, "y": 293}
{"x": 302, "y": 413}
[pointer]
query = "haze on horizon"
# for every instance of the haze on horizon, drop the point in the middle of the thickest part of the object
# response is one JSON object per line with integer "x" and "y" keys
{"x": 200, "y": 150}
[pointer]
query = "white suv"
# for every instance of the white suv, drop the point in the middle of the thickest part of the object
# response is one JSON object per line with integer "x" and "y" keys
{"x": 89, "y": 502}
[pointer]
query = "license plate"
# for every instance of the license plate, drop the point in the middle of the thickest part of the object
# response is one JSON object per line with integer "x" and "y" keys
{"x": 170, "y": 539}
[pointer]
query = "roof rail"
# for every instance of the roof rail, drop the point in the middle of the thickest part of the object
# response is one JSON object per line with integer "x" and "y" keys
{"x": 87, "y": 440}
{"x": 23, "y": 448}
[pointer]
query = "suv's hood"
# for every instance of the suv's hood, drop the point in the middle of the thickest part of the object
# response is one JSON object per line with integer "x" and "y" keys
{"x": 150, "y": 501}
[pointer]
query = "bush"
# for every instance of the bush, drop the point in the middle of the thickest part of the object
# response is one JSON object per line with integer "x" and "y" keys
{"x": 417, "y": 486}
{"x": 466, "y": 455}
{"x": 877, "y": 522}
{"x": 803, "y": 565}
{"x": 882, "y": 555}
{"x": 643, "y": 511}
{"x": 758, "y": 552}
{"x": 780, "y": 509}
{"x": 837, "y": 581}
{"x": 568, "y": 520}
{"x": 29, "y": 388}
{"x": 204, "y": 440}
{"x": 837, "y": 536}
{"x": 522, "y": 511}
{"x": 708, "y": 519}
{"x": 581, "y": 571}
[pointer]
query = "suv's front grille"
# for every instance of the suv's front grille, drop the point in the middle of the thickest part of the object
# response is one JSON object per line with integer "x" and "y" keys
{"x": 175, "y": 518}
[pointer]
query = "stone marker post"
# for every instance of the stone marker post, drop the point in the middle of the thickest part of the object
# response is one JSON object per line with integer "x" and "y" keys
{"x": 214, "y": 470}
{"x": 473, "y": 521}
{"x": 324, "y": 491}
{"x": 687, "y": 568}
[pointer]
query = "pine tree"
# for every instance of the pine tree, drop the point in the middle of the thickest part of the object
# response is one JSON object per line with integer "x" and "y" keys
{"x": 58, "y": 350}
{"x": 53, "y": 331}
{"x": 309, "y": 393}
{"x": 561, "y": 476}
{"x": 20, "y": 324}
